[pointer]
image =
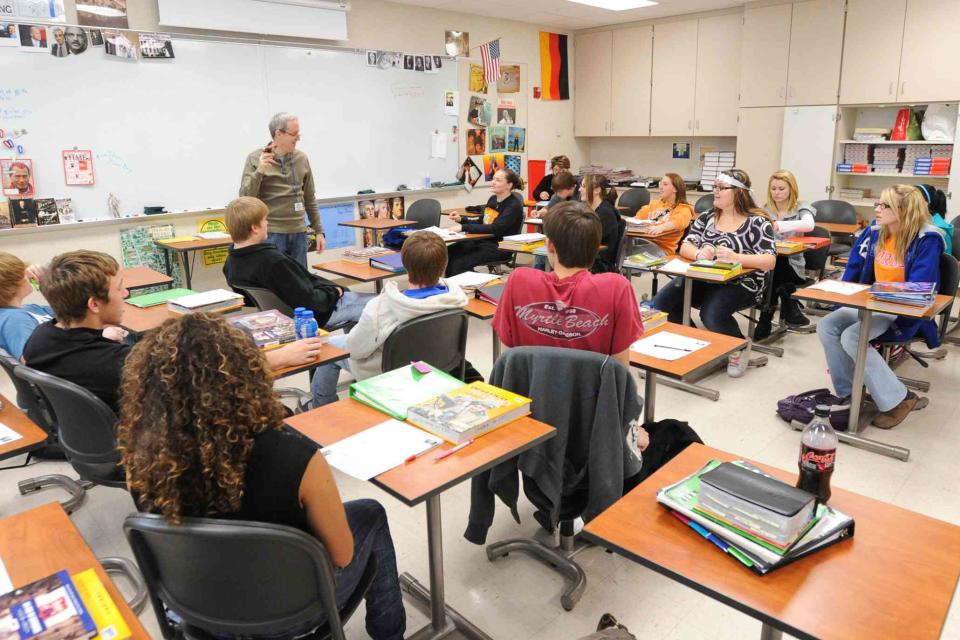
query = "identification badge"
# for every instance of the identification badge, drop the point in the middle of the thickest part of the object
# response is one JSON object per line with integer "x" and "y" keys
{"x": 298, "y": 206}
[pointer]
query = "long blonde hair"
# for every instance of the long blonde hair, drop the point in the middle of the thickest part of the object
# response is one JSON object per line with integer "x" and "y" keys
{"x": 791, "y": 180}
{"x": 911, "y": 209}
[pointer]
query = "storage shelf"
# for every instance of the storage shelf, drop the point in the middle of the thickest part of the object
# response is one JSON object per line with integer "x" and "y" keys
{"x": 898, "y": 142}
{"x": 890, "y": 175}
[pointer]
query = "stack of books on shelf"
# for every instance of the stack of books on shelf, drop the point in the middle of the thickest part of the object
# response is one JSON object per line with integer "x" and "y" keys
{"x": 761, "y": 522}
{"x": 856, "y": 153}
{"x": 852, "y": 193}
{"x": 887, "y": 159}
{"x": 715, "y": 269}
{"x": 871, "y": 134}
{"x": 931, "y": 166}
{"x": 522, "y": 242}
{"x": 715, "y": 163}
{"x": 844, "y": 167}
{"x": 362, "y": 255}
{"x": 645, "y": 259}
{"x": 652, "y": 318}
{"x": 893, "y": 296}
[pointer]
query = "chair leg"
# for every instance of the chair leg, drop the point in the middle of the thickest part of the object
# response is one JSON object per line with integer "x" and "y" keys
{"x": 76, "y": 488}
{"x": 126, "y": 568}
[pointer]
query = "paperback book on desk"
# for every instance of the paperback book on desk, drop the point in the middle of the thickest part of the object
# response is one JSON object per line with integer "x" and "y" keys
{"x": 392, "y": 262}
{"x": 715, "y": 269}
{"x": 890, "y": 295}
{"x": 208, "y": 301}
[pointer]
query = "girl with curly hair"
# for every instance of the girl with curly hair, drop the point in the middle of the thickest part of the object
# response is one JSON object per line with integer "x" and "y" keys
{"x": 200, "y": 432}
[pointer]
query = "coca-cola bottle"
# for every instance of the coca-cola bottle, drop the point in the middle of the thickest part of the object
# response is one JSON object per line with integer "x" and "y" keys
{"x": 818, "y": 452}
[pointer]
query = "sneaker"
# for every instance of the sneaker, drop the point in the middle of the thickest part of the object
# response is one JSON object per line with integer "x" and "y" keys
{"x": 793, "y": 316}
{"x": 893, "y": 417}
{"x": 764, "y": 327}
{"x": 607, "y": 621}
{"x": 738, "y": 361}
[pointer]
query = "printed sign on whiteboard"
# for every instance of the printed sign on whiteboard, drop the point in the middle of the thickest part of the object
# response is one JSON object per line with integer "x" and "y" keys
{"x": 78, "y": 167}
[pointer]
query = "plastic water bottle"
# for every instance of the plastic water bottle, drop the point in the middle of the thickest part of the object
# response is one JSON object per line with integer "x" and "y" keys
{"x": 298, "y": 321}
{"x": 309, "y": 324}
{"x": 818, "y": 453}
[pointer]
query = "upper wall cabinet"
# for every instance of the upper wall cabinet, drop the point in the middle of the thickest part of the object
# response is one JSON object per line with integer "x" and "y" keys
{"x": 592, "y": 84}
{"x": 931, "y": 49}
{"x": 674, "y": 64}
{"x": 718, "y": 56}
{"x": 871, "y": 51}
{"x": 765, "y": 56}
{"x": 632, "y": 53}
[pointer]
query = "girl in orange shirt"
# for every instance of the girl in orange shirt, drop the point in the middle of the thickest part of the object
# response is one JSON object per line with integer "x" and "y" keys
{"x": 670, "y": 214}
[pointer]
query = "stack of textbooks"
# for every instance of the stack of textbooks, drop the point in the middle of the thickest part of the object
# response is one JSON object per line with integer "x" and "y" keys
{"x": 893, "y": 296}
{"x": 845, "y": 167}
{"x": 789, "y": 246}
{"x": 217, "y": 300}
{"x": 715, "y": 163}
{"x": 759, "y": 521}
{"x": 268, "y": 329}
{"x": 871, "y": 134}
{"x": 645, "y": 260}
{"x": 392, "y": 262}
{"x": 887, "y": 159}
{"x": 809, "y": 242}
{"x": 652, "y": 318}
{"x": 62, "y": 606}
{"x": 929, "y": 167}
{"x": 363, "y": 255}
{"x": 715, "y": 269}
{"x": 522, "y": 242}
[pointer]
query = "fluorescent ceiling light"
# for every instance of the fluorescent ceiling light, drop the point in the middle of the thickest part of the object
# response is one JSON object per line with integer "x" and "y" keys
{"x": 617, "y": 5}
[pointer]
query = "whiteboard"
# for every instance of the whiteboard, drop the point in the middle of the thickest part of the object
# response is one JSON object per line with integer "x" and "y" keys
{"x": 176, "y": 132}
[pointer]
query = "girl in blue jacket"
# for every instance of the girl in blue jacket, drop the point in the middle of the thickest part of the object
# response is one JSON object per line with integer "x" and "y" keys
{"x": 900, "y": 246}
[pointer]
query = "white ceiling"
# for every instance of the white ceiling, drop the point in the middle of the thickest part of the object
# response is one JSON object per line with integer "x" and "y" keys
{"x": 570, "y": 16}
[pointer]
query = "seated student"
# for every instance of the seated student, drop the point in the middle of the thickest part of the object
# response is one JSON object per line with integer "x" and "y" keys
{"x": 901, "y": 245}
{"x": 85, "y": 344}
{"x": 545, "y": 188}
{"x": 201, "y": 435}
{"x": 254, "y": 262}
{"x": 18, "y": 320}
{"x": 564, "y": 190}
{"x": 671, "y": 213}
{"x": 569, "y": 306}
{"x": 597, "y": 194}
{"x": 424, "y": 256}
{"x": 503, "y": 216}
{"x": 735, "y": 231}
{"x": 790, "y": 218}
{"x": 937, "y": 206}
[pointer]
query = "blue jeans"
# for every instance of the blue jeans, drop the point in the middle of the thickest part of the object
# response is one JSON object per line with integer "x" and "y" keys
{"x": 540, "y": 262}
{"x": 292, "y": 244}
{"x": 349, "y": 307}
{"x": 324, "y": 383}
{"x": 839, "y": 334}
{"x": 717, "y": 304}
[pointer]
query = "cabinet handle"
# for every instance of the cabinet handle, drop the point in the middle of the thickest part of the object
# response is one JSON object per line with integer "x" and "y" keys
{"x": 890, "y": 90}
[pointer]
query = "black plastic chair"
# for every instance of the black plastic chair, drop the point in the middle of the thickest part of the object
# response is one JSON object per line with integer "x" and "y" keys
{"x": 30, "y": 400}
{"x": 816, "y": 259}
{"x": 266, "y": 300}
{"x": 703, "y": 204}
{"x": 239, "y": 578}
{"x": 837, "y": 211}
{"x": 439, "y": 339}
{"x": 425, "y": 213}
{"x": 955, "y": 239}
{"x": 632, "y": 200}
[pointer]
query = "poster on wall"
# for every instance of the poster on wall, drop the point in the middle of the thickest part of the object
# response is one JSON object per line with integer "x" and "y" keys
{"x": 78, "y": 167}
{"x": 41, "y": 9}
{"x": 103, "y": 13}
{"x": 478, "y": 83}
{"x": 491, "y": 164}
{"x": 509, "y": 81}
{"x": 517, "y": 139}
{"x": 18, "y": 177}
{"x": 456, "y": 43}
{"x": 476, "y": 142}
{"x": 217, "y": 255}
{"x": 451, "y": 102}
{"x": 498, "y": 138}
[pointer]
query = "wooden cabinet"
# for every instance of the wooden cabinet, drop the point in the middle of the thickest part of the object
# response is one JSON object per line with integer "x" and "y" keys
{"x": 931, "y": 49}
{"x": 816, "y": 44}
{"x": 807, "y": 149}
{"x": 764, "y": 56}
{"x": 674, "y": 65}
{"x": 759, "y": 139}
{"x": 632, "y": 55}
{"x": 593, "y": 61}
{"x": 871, "y": 51}
{"x": 717, "y": 91}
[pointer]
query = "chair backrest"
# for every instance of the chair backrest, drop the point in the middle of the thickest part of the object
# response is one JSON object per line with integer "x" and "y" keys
{"x": 425, "y": 213}
{"x": 85, "y": 427}
{"x": 837, "y": 211}
{"x": 236, "y": 578}
{"x": 29, "y": 398}
{"x": 267, "y": 300}
{"x": 956, "y": 237}
{"x": 816, "y": 259}
{"x": 634, "y": 199}
{"x": 949, "y": 275}
{"x": 703, "y": 204}
{"x": 438, "y": 338}
{"x": 632, "y": 245}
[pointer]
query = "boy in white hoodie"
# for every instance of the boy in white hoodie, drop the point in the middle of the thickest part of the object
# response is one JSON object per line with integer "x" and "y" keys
{"x": 424, "y": 256}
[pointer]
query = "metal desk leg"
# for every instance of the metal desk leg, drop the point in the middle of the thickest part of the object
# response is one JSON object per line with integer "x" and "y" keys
{"x": 185, "y": 257}
{"x": 649, "y": 396}
{"x": 687, "y": 300}
{"x": 769, "y": 633}
{"x": 166, "y": 259}
{"x": 378, "y": 286}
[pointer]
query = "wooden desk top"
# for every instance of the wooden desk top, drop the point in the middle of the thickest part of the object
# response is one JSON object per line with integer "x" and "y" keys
{"x": 140, "y": 320}
{"x": 377, "y": 224}
{"x": 140, "y": 277}
{"x": 861, "y": 300}
{"x": 354, "y": 271}
{"x": 690, "y": 365}
{"x": 41, "y": 541}
{"x": 839, "y": 227}
{"x": 693, "y": 276}
{"x": 33, "y": 436}
{"x": 423, "y": 478}
{"x": 328, "y": 353}
{"x": 193, "y": 245}
{"x": 865, "y": 587}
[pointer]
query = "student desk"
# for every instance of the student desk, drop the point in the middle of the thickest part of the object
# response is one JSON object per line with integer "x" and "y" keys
{"x": 866, "y": 587}
{"x": 840, "y": 228}
{"x": 328, "y": 354}
{"x": 423, "y": 480}
{"x": 184, "y": 248}
{"x": 358, "y": 272}
{"x": 42, "y": 541}
{"x": 484, "y": 310}
{"x": 377, "y": 225}
{"x": 140, "y": 320}
{"x": 31, "y": 436}
{"x": 142, "y": 277}
{"x": 685, "y": 368}
{"x": 861, "y": 302}
{"x": 688, "y": 287}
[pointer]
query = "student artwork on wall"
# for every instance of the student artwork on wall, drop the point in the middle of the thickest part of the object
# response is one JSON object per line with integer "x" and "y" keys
{"x": 103, "y": 13}
{"x": 18, "y": 178}
{"x": 513, "y": 163}
{"x": 477, "y": 83}
{"x": 506, "y": 115}
{"x": 491, "y": 164}
{"x": 456, "y": 43}
{"x": 78, "y": 167}
{"x": 476, "y": 142}
{"x": 516, "y": 139}
{"x": 498, "y": 138}
{"x": 509, "y": 81}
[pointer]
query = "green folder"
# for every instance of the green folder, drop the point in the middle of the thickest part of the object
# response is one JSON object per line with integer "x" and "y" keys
{"x": 396, "y": 391}
{"x": 153, "y": 299}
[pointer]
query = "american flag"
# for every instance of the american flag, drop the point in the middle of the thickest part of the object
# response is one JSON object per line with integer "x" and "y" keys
{"x": 490, "y": 52}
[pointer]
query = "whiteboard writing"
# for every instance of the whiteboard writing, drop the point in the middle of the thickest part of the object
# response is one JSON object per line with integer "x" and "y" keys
{"x": 406, "y": 91}
{"x": 113, "y": 159}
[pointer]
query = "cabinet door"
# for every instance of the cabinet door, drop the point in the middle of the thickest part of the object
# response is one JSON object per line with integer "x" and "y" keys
{"x": 871, "y": 51}
{"x": 633, "y": 53}
{"x": 718, "y": 64}
{"x": 674, "y": 66}
{"x": 807, "y": 149}
{"x": 764, "y": 56}
{"x": 816, "y": 44}
{"x": 593, "y": 60}
{"x": 931, "y": 49}
{"x": 759, "y": 135}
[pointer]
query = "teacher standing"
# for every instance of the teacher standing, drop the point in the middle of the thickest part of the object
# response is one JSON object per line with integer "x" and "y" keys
{"x": 280, "y": 175}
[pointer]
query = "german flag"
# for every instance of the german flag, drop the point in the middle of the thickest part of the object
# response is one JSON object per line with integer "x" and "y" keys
{"x": 554, "y": 66}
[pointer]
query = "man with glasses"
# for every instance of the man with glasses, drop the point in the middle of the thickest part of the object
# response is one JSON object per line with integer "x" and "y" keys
{"x": 280, "y": 176}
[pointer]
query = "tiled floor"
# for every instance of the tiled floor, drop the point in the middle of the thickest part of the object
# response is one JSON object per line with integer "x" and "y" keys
{"x": 517, "y": 598}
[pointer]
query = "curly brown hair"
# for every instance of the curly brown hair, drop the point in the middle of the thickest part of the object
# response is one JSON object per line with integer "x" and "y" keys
{"x": 194, "y": 394}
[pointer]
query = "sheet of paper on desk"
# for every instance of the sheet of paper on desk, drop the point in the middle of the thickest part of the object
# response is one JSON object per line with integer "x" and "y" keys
{"x": 213, "y": 235}
{"x": 665, "y": 345}
{"x": 472, "y": 279}
{"x": 675, "y": 266}
{"x": 379, "y": 448}
{"x": 6, "y": 585}
{"x": 7, "y": 435}
{"x": 838, "y": 286}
